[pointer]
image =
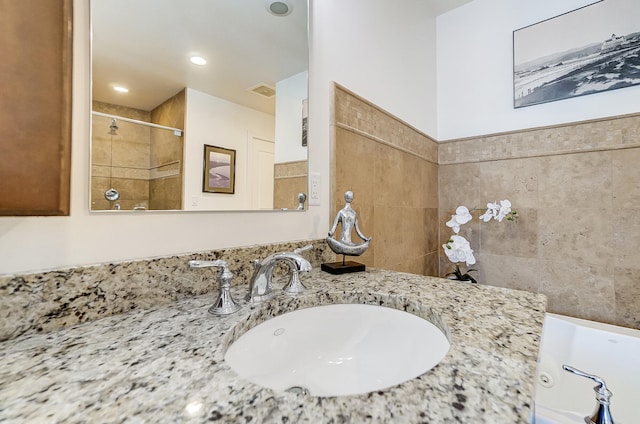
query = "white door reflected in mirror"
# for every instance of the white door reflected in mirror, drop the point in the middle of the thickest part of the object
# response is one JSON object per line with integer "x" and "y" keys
{"x": 260, "y": 180}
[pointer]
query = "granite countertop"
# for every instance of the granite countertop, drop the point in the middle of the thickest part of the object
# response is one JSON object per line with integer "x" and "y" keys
{"x": 166, "y": 364}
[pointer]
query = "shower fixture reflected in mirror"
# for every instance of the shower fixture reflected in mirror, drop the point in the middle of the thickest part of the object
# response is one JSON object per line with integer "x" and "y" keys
{"x": 112, "y": 194}
{"x": 113, "y": 128}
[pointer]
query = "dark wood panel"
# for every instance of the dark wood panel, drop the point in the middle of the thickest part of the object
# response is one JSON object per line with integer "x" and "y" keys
{"x": 35, "y": 106}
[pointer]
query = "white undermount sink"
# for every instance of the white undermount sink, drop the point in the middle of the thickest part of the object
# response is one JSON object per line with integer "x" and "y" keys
{"x": 337, "y": 350}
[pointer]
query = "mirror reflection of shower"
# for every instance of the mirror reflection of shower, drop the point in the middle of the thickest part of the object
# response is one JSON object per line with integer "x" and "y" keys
{"x": 136, "y": 165}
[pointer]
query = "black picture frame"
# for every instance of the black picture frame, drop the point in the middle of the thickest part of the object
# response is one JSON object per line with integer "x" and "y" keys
{"x": 589, "y": 50}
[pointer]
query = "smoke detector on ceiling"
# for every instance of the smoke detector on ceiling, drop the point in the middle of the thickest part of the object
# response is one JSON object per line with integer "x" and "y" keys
{"x": 263, "y": 89}
{"x": 278, "y": 7}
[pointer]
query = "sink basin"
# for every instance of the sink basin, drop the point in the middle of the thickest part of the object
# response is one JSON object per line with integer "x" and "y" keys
{"x": 337, "y": 350}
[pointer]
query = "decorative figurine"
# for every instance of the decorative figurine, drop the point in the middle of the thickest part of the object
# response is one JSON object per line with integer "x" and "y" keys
{"x": 348, "y": 218}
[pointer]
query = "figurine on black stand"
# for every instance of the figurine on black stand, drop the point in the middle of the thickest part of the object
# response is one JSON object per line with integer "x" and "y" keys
{"x": 349, "y": 220}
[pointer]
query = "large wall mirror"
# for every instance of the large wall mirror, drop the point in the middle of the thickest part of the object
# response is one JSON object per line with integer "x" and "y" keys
{"x": 199, "y": 105}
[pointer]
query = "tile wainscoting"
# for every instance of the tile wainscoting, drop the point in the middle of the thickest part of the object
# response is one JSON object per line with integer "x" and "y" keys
{"x": 393, "y": 172}
{"x": 576, "y": 188}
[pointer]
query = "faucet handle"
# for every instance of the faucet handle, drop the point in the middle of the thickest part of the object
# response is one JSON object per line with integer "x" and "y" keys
{"x": 256, "y": 263}
{"x": 303, "y": 249}
{"x": 295, "y": 286}
{"x": 601, "y": 387}
{"x": 208, "y": 264}
{"x": 602, "y": 414}
{"x": 225, "y": 304}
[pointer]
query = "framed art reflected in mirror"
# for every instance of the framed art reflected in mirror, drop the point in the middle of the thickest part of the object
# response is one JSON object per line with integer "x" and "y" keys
{"x": 219, "y": 166}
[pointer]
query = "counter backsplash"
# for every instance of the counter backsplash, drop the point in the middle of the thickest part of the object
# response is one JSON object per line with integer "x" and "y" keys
{"x": 48, "y": 301}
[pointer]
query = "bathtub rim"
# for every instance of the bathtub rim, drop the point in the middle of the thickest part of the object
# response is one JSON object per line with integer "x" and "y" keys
{"x": 597, "y": 325}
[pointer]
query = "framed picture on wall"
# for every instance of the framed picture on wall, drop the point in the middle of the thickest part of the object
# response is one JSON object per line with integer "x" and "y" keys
{"x": 589, "y": 50}
{"x": 219, "y": 174}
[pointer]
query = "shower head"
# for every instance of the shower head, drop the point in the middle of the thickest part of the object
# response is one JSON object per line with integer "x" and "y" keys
{"x": 113, "y": 128}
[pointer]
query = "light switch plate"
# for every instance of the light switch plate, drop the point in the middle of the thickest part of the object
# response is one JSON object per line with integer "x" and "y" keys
{"x": 314, "y": 187}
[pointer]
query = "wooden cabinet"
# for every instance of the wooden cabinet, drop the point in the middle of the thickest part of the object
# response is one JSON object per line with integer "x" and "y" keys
{"x": 35, "y": 106}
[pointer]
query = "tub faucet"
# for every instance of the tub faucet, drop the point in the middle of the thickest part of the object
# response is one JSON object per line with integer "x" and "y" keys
{"x": 602, "y": 414}
{"x": 260, "y": 284}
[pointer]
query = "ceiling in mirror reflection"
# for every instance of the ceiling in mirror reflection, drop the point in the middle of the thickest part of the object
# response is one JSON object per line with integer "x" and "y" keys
{"x": 146, "y": 46}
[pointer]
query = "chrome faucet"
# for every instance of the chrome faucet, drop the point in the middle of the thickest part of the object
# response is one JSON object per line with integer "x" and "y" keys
{"x": 261, "y": 285}
{"x": 225, "y": 304}
{"x": 602, "y": 413}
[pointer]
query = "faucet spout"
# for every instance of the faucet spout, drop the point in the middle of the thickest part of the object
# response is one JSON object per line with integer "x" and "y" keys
{"x": 261, "y": 283}
{"x": 294, "y": 260}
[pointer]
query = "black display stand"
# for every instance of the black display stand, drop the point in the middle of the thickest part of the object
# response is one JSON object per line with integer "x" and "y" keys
{"x": 343, "y": 267}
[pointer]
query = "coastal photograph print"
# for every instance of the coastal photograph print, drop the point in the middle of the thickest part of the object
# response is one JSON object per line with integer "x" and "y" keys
{"x": 589, "y": 50}
{"x": 219, "y": 170}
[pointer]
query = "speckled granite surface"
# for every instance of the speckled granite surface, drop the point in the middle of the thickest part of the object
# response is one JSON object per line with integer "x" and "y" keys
{"x": 166, "y": 364}
{"x": 47, "y": 301}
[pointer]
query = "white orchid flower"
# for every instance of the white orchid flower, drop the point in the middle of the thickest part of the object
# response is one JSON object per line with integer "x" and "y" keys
{"x": 505, "y": 209}
{"x": 461, "y": 217}
{"x": 491, "y": 212}
{"x": 458, "y": 249}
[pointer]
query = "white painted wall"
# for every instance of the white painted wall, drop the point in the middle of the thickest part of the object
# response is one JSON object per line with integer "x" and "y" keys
{"x": 218, "y": 122}
{"x": 383, "y": 52}
{"x": 380, "y": 50}
{"x": 475, "y": 72}
{"x": 290, "y": 93}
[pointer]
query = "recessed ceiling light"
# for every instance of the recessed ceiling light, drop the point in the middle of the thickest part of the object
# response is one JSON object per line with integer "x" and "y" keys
{"x": 120, "y": 89}
{"x": 198, "y": 60}
{"x": 278, "y": 7}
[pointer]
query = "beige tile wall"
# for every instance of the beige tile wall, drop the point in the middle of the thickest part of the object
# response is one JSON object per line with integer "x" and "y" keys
{"x": 166, "y": 155}
{"x": 577, "y": 190}
{"x": 392, "y": 170}
{"x": 290, "y": 178}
